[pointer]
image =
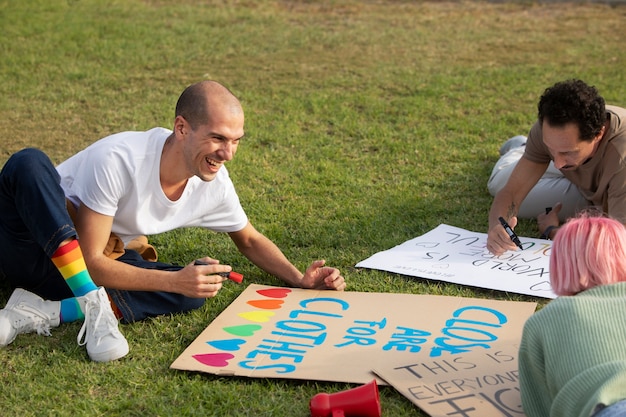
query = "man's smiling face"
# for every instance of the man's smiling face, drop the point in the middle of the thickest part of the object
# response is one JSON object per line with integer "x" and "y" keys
{"x": 209, "y": 146}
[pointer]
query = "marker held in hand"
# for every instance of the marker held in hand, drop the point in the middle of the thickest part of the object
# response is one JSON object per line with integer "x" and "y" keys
{"x": 232, "y": 275}
{"x": 510, "y": 232}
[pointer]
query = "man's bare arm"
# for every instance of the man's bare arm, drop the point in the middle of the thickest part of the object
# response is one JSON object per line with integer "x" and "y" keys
{"x": 507, "y": 202}
{"x": 94, "y": 230}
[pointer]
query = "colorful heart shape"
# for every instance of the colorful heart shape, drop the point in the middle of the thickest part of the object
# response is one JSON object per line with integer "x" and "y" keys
{"x": 228, "y": 345}
{"x": 217, "y": 360}
{"x": 257, "y": 316}
{"x": 274, "y": 292}
{"x": 266, "y": 304}
{"x": 243, "y": 329}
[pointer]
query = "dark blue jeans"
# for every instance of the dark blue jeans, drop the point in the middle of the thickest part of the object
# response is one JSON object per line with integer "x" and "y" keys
{"x": 617, "y": 409}
{"x": 33, "y": 223}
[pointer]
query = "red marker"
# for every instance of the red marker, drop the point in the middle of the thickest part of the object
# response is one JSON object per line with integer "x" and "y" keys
{"x": 232, "y": 275}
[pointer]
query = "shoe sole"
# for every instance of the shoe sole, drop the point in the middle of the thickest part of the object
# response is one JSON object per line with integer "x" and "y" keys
{"x": 110, "y": 355}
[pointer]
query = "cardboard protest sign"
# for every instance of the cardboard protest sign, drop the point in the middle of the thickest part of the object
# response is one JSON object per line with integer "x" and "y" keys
{"x": 475, "y": 384}
{"x": 271, "y": 332}
{"x": 456, "y": 255}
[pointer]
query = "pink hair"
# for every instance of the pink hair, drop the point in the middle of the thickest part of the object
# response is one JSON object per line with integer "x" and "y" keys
{"x": 587, "y": 251}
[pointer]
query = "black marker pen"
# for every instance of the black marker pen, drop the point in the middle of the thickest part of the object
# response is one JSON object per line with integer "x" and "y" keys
{"x": 510, "y": 232}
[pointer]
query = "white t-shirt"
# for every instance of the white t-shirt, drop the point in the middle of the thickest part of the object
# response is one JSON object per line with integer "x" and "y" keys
{"x": 119, "y": 176}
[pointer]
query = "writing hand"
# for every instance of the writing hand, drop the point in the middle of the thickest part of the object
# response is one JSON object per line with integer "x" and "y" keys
{"x": 498, "y": 240}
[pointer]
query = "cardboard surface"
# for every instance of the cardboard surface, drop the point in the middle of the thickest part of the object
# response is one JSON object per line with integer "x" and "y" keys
{"x": 475, "y": 384}
{"x": 272, "y": 332}
{"x": 451, "y": 254}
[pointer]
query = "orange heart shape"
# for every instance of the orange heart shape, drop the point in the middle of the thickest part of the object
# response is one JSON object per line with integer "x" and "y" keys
{"x": 266, "y": 304}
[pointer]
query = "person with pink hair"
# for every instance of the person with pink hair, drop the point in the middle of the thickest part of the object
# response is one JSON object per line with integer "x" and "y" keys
{"x": 572, "y": 357}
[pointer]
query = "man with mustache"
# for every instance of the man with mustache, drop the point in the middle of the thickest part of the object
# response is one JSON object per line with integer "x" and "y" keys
{"x": 575, "y": 153}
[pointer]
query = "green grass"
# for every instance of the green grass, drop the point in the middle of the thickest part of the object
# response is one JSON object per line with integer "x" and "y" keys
{"x": 368, "y": 123}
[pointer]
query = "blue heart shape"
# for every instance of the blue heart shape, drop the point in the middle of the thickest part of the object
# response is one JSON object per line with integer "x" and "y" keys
{"x": 228, "y": 345}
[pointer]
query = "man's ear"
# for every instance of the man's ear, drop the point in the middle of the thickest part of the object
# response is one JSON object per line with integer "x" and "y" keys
{"x": 180, "y": 126}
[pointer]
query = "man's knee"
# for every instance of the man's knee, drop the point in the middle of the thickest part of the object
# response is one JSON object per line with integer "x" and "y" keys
{"x": 502, "y": 170}
{"x": 29, "y": 157}
{"x": 29, "y": 163}
{"x": 549, "y": 191}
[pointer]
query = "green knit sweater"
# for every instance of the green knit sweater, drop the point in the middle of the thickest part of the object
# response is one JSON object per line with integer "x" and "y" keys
{"x": 573, "y": 354}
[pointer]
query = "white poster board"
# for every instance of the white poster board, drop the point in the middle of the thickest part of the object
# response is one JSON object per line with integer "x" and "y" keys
{"x": 460, "y": 256}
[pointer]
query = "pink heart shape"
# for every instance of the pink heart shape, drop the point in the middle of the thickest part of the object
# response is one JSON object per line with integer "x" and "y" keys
{"x": 218, "y": 360}
{"x": 274, "y": 292}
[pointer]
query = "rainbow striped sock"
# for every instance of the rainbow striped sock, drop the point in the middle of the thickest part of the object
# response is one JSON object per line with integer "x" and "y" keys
{"x": 70, "y": 262}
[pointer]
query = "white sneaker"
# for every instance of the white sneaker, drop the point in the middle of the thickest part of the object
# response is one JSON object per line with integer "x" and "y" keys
{"x": 26, "y": 312}
{"x": 100, "y": 330}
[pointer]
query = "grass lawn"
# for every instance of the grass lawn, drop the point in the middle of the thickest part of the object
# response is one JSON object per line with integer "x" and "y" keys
{"x": 368, "y": 123}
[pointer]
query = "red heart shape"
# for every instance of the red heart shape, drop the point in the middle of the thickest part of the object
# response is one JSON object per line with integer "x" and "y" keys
{"x": 218, "y": 360}
{"x": 275, "y": 292}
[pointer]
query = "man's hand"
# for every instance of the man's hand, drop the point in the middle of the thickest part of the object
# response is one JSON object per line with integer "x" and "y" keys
{"x": 498, "y": 240}
{"x": 545, "y": 220}
{"x": 200, "y": 281}
{"x": 318, "y": 276}
{"x": 506, "y": 203}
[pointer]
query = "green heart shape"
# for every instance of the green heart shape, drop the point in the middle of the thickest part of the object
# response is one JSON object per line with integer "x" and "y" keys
{"x": 243, "y": 330}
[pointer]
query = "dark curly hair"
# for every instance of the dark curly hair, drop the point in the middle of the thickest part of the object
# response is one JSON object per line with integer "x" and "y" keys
{"x": 573, "y": 101}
